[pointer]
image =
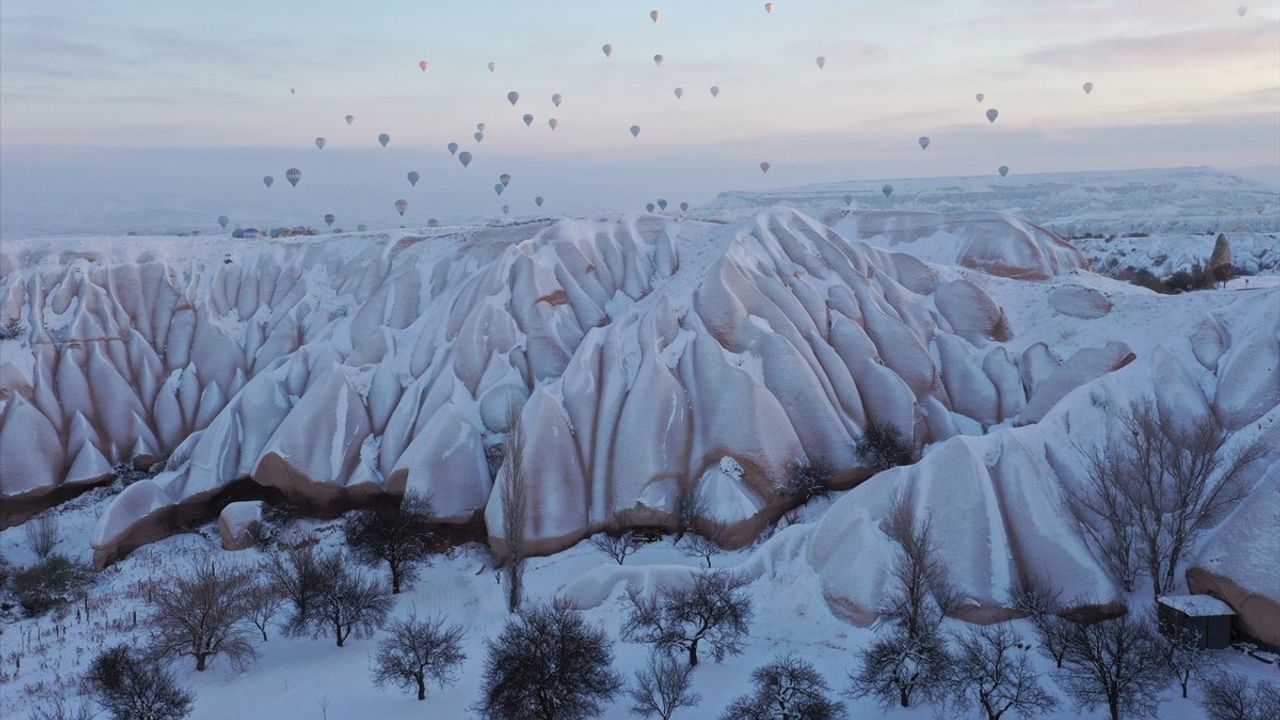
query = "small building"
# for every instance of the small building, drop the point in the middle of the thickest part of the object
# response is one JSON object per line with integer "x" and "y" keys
{"x": 1206, "y": 616}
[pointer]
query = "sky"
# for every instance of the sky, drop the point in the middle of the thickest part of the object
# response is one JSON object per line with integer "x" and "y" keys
{"x": 134, "y": 112}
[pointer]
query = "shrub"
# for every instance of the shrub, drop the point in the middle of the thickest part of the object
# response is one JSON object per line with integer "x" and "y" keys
{"x": 133, "y": 688}
{"x": 42, "y": 534}
{"x": 807, "y": 481}
{"x": 52, "y": 582}
{"x": 882, "y": 447}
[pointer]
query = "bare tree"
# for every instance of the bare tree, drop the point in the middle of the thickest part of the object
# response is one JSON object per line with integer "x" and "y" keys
{"x": 415, "y": 651}
{"x": 548, "y": 663}
{"x": 714, "y": 610}
{"x": 1228, "y": 697}
{"x": 703, "y": 545}
{"x": 131, "y": 688}
{"x": 398, "y": 535}
{"x": 1043, "y": 607}
{"x": 662, "y": 687}
{"x": 991, "y": 669}
{"x": 618, "y": 546}
{"x": 200, "y": 613}
{"x": 1187, "y": 656}
{"x": 346, "y": 600}
{"x": 262, "y": 600}
{"x": 1120, "y": 664}
{"x": 42, "y": 534}
{"x": 911, "y": 659}
{"x": 1149, "y": 495}
{"x": 296, "y": 575}
{"x": 514, "y": 499}
{"x": 786, "y": 689}
{"x": 689, "y": 507}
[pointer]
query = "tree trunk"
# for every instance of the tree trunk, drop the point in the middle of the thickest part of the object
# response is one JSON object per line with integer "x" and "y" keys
{"x": 904, "y": 697}
{"x": 264, "y": 632}
{"x": 200, "y": 658}
{"x": 1113, "y": 704}
{"x": 422, "y": 687}
{"x": 693, "y": 654}
{"x": 395, "y": 580}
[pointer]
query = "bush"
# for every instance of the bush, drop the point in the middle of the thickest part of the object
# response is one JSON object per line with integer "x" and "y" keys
{"x": 805, "y": 482}
{"x": 50, "y": 583}
{"x": 548, "y": 662}
{"x": 42, "y": 535}
{"x": 132, "y": 688}
{"x": 882, "y": 447}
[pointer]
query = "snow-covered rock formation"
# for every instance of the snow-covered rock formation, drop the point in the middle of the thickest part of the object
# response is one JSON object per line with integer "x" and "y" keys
{"x": 644, "y": 352}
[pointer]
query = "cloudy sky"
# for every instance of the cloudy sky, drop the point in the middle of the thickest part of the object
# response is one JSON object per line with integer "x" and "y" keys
{"x": 136, "y": 107}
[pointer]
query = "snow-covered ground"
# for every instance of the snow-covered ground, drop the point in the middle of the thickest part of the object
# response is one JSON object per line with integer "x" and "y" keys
{"x": 307, "y": 678}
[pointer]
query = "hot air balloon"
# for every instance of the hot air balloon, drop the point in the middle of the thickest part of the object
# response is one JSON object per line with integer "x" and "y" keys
{"x": 554, "y": 123}
{"x": 657, "y": 60}
{"x": 822, "y": 61}
{"x": 654, "y": 15}
{"x": 361, "y": 227}
{"x": 464, "y": 157}
{"x": 1088, "y": 88}
{"x": 679, "y": 93}
{"x": 320, "y": 143}
{"x": 293, "y": 91}
{"x": 432, "y": 222}
{"x": 768, "y": 7}
{"x": 498, "y": 188}
{"x": 848, "y": 198}
{"x": 1242, "y": 10}
{"x": 350, "y": 119}
{"x": 992, "y": 114}
{"x": 480, "y": 127}
{"x": 268, "y": 180}
{"x": 513, "y": 97}
{"x": 764, "y": 167}
{"x": 538, "y": 201}
{"x": 423, "y": 65}
{"x": 506, "y": 209}
{"x": 887, "y": 190}
{"x": 413, "y": 177}
{"x": 662, "y": 204}
{"x": 293, "y": 175}
{"x": 924, "y": 143}
{"x": 505, "y": 179}
{"x": 383, "y": 139}
{"x": 223, "y": 220}
{"x": 328, "y": 219}
{"x": 528, "y": 119}
{"x": 493, "y": 66}
{"x": 715, "y": 91}
{"x": 453, "y": 148}
{"x": 635, "y": 131}
{"x": 478, "y": 136}
{"x": 684, "y": 207}
{"x": 649, "y": 207}
{"x": 556, "y": 99}
{"x": 979, "y": 97}
{"x": 608, "y": 50}
{"x": 1004, "y": 170}
{"x": 401, "y": 206}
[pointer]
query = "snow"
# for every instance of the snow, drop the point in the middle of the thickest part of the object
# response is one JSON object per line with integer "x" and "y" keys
{"x": 651, "y": 356}
{"x": 1196, "y": 605}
